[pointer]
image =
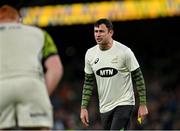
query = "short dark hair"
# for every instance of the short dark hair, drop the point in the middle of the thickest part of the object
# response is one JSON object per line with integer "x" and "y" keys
{"x": 105, "y": 21}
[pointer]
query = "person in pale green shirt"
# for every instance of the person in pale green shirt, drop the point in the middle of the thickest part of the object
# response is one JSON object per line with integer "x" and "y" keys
{"x": 30, "y": 69}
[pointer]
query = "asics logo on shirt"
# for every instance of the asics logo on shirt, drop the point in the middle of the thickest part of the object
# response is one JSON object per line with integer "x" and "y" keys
{"x": 96, "y": 61}
{"x": 106, "y": 72}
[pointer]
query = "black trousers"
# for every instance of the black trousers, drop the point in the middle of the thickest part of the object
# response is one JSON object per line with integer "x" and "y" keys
{"x": 118, "y": 118}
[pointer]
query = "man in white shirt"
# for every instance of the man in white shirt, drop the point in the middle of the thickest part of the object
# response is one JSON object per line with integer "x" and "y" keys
{"x": 113, "y": 66}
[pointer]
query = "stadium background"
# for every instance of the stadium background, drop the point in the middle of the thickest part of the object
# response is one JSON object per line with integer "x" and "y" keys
{"x": 155, "y": 43}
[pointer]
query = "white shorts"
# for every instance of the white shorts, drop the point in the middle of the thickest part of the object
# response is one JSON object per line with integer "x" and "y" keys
{"x": 24, "y": 102}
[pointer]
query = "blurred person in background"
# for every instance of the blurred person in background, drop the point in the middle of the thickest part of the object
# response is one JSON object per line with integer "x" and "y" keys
{"x": 30, "y": 69}
{"x": 113, "y": 66}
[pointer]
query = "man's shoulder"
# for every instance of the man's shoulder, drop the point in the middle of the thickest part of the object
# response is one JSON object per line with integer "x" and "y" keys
{"x": 30, "y": 27}
{"x": 20, "y": 27}
{"x": 92, "y": 49}
{"x": 121, "y": 46}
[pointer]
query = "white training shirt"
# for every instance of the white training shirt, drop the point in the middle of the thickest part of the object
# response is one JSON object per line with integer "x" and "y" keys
{"x": 22, "y": 49}
{"x": 112, "y": 69}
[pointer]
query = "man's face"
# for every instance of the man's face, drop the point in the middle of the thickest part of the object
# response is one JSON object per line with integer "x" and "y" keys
{"x": 102, "y": 34}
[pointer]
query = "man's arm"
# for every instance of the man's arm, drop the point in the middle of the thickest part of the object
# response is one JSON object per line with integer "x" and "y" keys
{"x": 51, "y": 62}
{"x": 54, "y": 72}
{"x": 86, "y": 95}
{"x": 87, "y": 89}
{"x": 140, "y": 85}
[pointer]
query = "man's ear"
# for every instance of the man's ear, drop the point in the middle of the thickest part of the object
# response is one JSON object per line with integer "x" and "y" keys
{"x": 111, "y": 32}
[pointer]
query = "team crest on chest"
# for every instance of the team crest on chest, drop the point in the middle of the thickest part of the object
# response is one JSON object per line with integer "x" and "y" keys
{"x": 115, "y": 60}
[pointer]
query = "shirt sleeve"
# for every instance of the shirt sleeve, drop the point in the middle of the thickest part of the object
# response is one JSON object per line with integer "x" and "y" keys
{"x": 88, "y": 68}
{"x": 49, "y": 46}
{"x": 131, "y": 61}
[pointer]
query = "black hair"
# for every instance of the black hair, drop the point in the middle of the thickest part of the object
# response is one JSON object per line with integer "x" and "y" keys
{"x": 105, "y": 21}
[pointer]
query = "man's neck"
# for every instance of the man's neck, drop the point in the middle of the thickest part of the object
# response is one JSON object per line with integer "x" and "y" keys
{"x": 107, "y": 46}
{"x": 8, "y": 21}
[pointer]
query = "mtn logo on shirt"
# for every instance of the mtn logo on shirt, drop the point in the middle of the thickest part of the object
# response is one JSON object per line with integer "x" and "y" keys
{"x": 106, "y": 72}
